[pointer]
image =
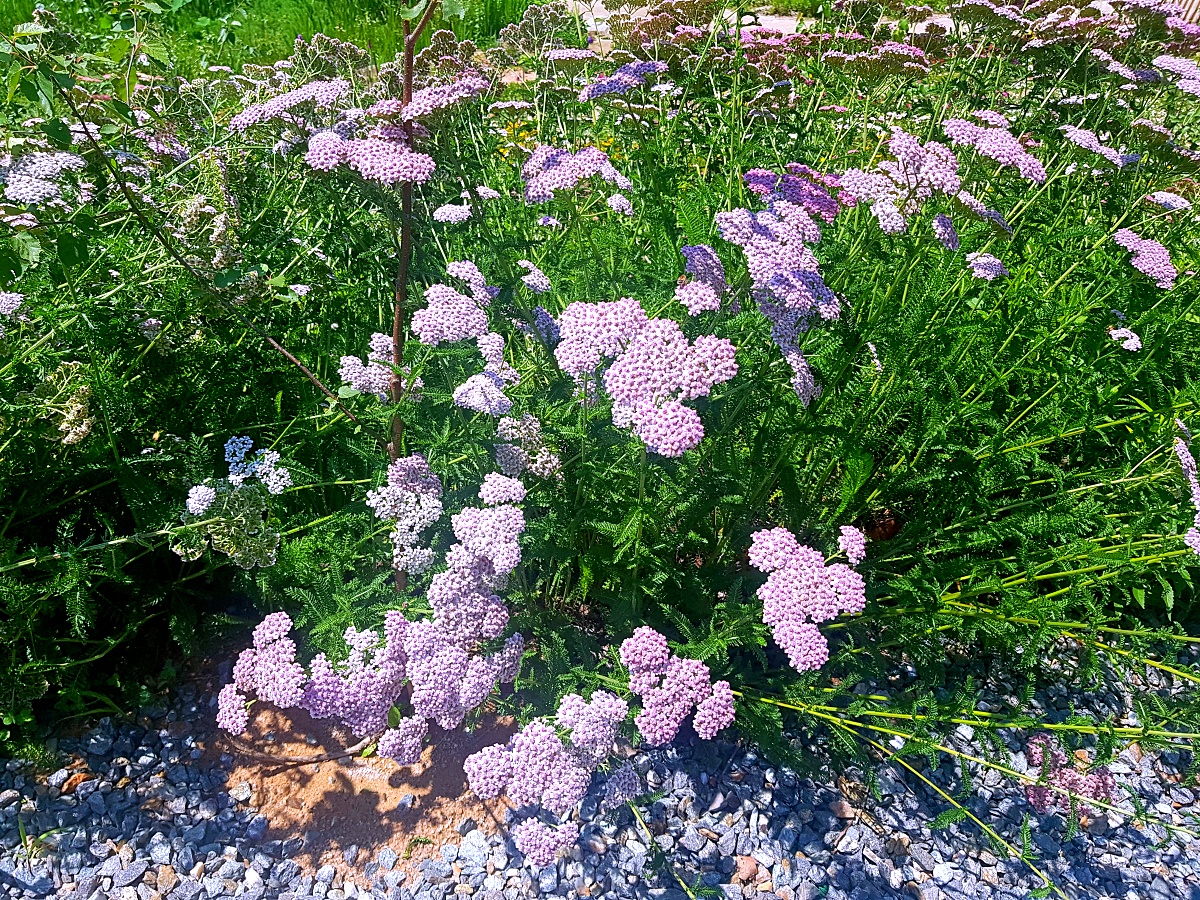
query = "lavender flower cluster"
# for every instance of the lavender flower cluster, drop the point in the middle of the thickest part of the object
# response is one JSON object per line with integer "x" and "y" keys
{"x": 784, "y": 272}
{"x": 901, "y": 186}
{"x": 540, "y": 843}
{"x": 1089, "y": 141}
{"x": 802, "y": 591}
{"x": 996, "y": 143}
{"x": 623, "y": 80}
{"x": 671, "y": 687}
{"x": 322, "y": 95}
{"x": 1129, "y": 339}
{"x": 10, "y": 302}
{"x": 1188, "y": 464}
{"x": 537, "y": 767}
{"x": 523, "y": 448}
{"x": 1149, "y": 257}
{"x": 387, "y": 162}
{"x": 37, "y": 178}
{"x": 703, "y": 291}
{"x": 1056, "y": 772}
{"x": 438, "y": 661}
{"x": 985, "y": 266}
{"x": 550, "y": 170}
{"x": 411, "y": 498}
{"x": 887, "y": 58}
{"x": 654, "y": 369}
{"x": 375, "y": 376}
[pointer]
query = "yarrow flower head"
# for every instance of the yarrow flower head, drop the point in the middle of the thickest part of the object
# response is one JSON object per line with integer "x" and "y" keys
{"x": 800, "y": 592}
{"x": 1188, "y": 464}
{"x": 619, "y": 203}
{"x": 375, "y": 376}
{"x": 623, "y": 80}
{"x": 550, "y": 170}
{"x": 943, "y": 230}
{"x": 200, "y": 498}
{"x": 452, "y": 213}
{"x": 1057, "y": 770}
{"x": 986, "y": 266}
{"x": 534, "y": 278}
{"x": 1128, "y": 339}
{"x": 671, "y": 687}
{"x": 703, "y": 292}
{"x": 853, "y": 543}
{"x": 1149, "y": 257}
{"x": 996, "y": 143}
{"x": 263, "y": 465}
{"x": 541, "y": 843}
{"x": 1170, "y": 202}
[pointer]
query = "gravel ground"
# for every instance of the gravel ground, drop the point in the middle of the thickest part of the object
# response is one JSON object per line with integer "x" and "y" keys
{"x": 157, "y": 821}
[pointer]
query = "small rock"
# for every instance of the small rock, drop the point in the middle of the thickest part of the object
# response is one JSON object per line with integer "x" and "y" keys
{"x": 167, "y": 879}
{"x": 387, "y": 857}
{"x": 130, "y": 873}
{"x": 943, "y": 873}
{"x": 241, "y": 791}
{"x": 406, "y": 802}
{"x": 747, "y": 869}
{"x": 325, "y": 874}
{"x": 843, "y": 810}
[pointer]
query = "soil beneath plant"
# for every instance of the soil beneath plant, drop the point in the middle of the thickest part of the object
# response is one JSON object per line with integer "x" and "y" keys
{"x": 355, "y": 801}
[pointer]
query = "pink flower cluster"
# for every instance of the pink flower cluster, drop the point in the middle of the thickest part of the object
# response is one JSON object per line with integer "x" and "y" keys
{"x": 483, "y": 393}
{"x": 429, "y": 100}
{"x": 853, "y": 543}
{"x": 900, "y": 186}
{"x": 1188, "y": 464}
{"x": 439, "y": 661}
{"x": 1129, "y": 340}
{"x": 387, "y": 162}
{"x": 534, "y": 278}
{"x": 888, "y": 58}
{"x": 803, "y": 186}
{"x": 986, "y": 266}
{"x": 704, "y": 290}
{"x": 1149, "y": 257}
{"x": 802, "y": 591}
{"x": 623, "y": 784}
{"x": 654, "y": 370}
{"x": 540, "y": 843}
{"x": 449, "y": 316}
{"x": 623, "y": 80}
{"x": 593, "y": 725}
{"x": 549, "y": 170}
{"x": 1170, "y": 202}
{"x": 996, "y": 143}
{"x": 533, "y": 768}
{"x": 411, "y": 499}
{"x": 524, "y": 448}
{"x": 269, "y": 669}
{"x": 671, "y": 687}
{"x": 321, "y": 94}
{"x": 785, "y": 275}
{"x": 375, "y": 377}
{"x": 1057, "y": 772}
{"x": 1089, "y": 141}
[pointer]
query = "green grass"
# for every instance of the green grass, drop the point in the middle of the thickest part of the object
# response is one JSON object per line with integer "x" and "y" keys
{"x": 217, "y": 32}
